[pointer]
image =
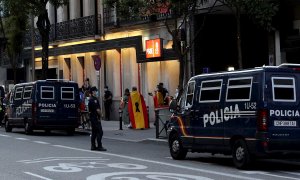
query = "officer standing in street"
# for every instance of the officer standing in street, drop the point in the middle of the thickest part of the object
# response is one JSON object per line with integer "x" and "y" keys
{"x": 95, "y": 119}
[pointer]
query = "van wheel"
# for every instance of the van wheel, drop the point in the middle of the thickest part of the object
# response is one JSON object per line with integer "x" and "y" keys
{"x": 176, "y": 149}
{"x": 241, "y": 155}
{"x": 28, "y": 129}
{"x": 8, "y": 128}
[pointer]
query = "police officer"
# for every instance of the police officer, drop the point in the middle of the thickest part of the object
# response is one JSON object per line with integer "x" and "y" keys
{"x": 95, "y": 114}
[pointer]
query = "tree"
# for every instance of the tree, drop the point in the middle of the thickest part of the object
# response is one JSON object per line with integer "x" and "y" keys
{"x": 39, "y": 8}
{"x": 260, "y": 11}
{"x": 14, "y": 25}
{"x": 181, "y": 11}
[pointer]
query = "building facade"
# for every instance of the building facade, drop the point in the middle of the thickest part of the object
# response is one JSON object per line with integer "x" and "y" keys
{"x": 79, "y": 38}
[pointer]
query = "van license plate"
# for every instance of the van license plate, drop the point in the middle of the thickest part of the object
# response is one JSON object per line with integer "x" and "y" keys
{"x": 285, "y": 123}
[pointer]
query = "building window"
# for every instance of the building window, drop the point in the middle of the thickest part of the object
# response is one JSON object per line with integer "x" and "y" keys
{"x": 81, "y": 8}
{"x": 68, "y": 11}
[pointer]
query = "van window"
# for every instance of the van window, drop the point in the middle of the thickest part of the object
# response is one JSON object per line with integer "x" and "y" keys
{"x": 18, "y": 93}
{"x": 190, "y": 94}
{"x": 239, "y": 89}
{"x": 210, "y": 91}
{"x": 67, "y": 93}
{"x": 283, "y": 89}
{"x": 27, "y": 92}
{"x": 47, "y": 92}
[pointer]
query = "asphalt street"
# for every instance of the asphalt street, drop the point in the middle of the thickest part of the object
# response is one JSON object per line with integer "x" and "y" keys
{"x": 132, "y": 154}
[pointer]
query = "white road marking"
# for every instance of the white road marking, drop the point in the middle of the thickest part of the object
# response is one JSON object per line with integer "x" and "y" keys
{"x": 293, "y": 173}
{"x": 157, "y": 162}
{"x": 268, "y": 174}
{"x": 23, "y": 139}
{"x": 148, "y": 175}
{"x": 4, "y": 135}
{"x": 49, "y": 159}
{"x": 41, "y": 142}
{"x": 35, "y": 175}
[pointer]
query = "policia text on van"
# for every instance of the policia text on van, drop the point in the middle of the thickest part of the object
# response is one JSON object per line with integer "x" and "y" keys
{"x": 43, "y": 104}
{"x": 248, "y": 113}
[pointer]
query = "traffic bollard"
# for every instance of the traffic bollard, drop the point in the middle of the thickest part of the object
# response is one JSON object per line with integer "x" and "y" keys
{"x": 120, "y": 118}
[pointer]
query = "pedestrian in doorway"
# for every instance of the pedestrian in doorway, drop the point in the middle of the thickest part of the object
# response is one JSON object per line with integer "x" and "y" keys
{"x": 95, "y": 114}
{"x": 124, "y": 107}
{"x": 86, "y": 85}
{"x": 165, "y": 93}
{"x": 107, "y": 102}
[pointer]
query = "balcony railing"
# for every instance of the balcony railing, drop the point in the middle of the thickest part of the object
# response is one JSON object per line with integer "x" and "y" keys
{"x": 75, "y": 28}
{"x": 109, "y": 18}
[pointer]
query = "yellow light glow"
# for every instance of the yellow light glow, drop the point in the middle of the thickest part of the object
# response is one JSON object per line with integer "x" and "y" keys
{"x": 40, "y": 48}
{"x": 75, "y": 43}
{"x": 49, "y": 58}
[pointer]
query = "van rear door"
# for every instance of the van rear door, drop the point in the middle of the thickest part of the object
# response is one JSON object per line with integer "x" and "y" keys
{"x": 67, "y": 103}
{"x": 283, "y": 104}
{"x": 46, "y": 104}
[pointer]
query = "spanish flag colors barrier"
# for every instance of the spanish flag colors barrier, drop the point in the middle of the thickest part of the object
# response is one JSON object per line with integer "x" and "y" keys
{"x": 137, "y": 111}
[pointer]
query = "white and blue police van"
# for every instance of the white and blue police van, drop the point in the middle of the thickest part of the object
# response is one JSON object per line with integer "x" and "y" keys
{"x": 44, "y": 105}
{"x": 248, "y": 114}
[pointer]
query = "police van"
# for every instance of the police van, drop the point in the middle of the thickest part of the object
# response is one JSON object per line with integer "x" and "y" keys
{"x": 248, "y": 114}
{"x": 43, "y": 104}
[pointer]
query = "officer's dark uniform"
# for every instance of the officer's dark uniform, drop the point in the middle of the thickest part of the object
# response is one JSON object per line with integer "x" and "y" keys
{"x": 97, "y": 131}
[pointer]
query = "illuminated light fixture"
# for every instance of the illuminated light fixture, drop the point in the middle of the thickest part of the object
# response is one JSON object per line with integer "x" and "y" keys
{"x": 40, "y": 48}
{"x": 38, "y": 59}
{"x": 230, "y": 68}
{"x": 75, "y": 43}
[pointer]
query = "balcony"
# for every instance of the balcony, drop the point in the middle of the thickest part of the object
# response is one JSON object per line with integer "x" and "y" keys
{"x": 109, "y": 18}
{"x": 76, "y": 28}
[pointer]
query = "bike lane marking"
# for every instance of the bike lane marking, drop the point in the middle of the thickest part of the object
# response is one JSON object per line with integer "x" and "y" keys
{"x": 35, "y": 175}
{"x": 268, "y": 174}
{"x": 4, "y": 135}
{"x": 23, "y": 139}
{"x": 41, "y": 142}
{"x": 49, "y": 159}
{"x": 149, "y": 175}
{"x": 158, "y": 162}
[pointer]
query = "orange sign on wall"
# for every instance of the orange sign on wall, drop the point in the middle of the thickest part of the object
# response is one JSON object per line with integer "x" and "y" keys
{"x": 154, "y": 48}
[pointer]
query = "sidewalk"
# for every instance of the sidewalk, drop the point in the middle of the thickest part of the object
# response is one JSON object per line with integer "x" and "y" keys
{"x": 111, "y": 131}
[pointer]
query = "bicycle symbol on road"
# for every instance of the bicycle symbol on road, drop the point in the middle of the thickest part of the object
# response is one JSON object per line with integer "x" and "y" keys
{"x": 77, "y": 167}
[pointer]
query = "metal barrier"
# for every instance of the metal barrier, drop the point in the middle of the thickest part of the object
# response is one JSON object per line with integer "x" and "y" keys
{"x": 162, "y": 116}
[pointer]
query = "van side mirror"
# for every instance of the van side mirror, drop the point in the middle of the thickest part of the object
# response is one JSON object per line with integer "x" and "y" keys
{"x": 173, "y": 106}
